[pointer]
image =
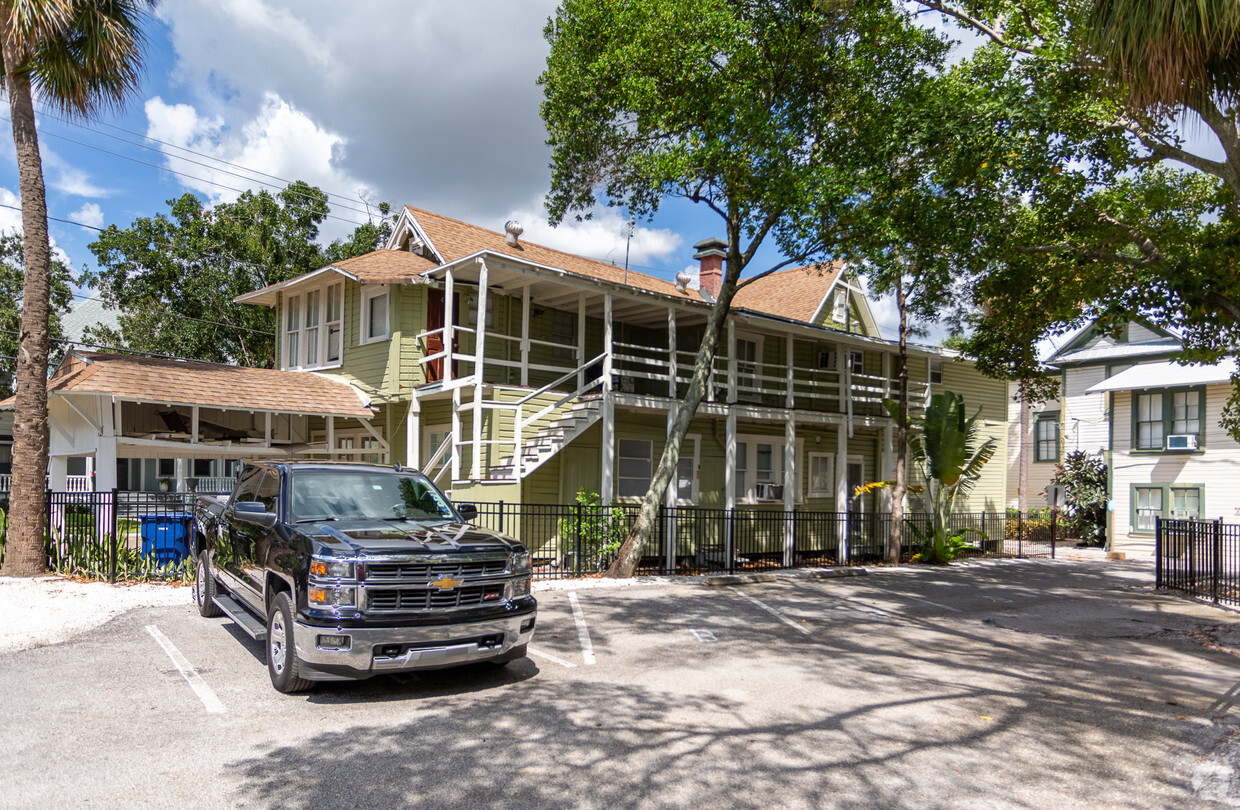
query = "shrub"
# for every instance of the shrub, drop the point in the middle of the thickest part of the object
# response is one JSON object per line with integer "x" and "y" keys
{"x": 595, "y": 532}
{"x": 1085, "y": 477}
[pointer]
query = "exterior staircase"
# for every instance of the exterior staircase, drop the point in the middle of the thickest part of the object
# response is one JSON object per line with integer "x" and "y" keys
{"x": 567, "y": 424}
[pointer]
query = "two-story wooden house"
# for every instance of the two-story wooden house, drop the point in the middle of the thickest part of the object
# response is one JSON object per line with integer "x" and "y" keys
{"x": 513, "y": 372}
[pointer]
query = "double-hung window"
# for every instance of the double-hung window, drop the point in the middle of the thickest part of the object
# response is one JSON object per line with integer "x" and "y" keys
{"x": 822, "y": 475}
{"x": 312, "y": 327}
{"x": 292, "y": 333}
{"x": 1168, "y": 420}
{"x": 1169, "y": 501}
{"x": 1046, "y": 437}
{"x": 759, "y": 473}
{"x": 374, "y": 313}
{"x": 634, "y": 467}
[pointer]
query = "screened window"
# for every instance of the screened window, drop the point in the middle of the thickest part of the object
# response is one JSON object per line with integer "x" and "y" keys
{"x": 312, "y": 328}
{"x": 1159, "y": 414}
{"x": 1148, "y": 505}
{"x": 1149, "y": 422}
{"x": 634, "y": 468}
{"x": 1185, "y": 412}
{"x": 746, "y": 363}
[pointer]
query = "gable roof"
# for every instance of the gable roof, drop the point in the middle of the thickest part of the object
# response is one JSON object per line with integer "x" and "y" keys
{"x": 210, "y": 385}
{"x": 1086, "y": 344}
{"x": 796, "y": 292}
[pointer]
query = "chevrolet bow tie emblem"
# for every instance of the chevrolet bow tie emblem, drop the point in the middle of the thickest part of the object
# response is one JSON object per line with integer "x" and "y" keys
{"x": 446, "y": 583}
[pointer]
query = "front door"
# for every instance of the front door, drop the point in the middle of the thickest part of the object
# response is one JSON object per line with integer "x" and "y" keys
{"x": 434, "y": 342}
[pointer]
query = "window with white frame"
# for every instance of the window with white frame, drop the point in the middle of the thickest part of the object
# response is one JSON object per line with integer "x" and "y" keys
{"x": 368, "y": 448}
{"x": 856, "y": 362}
{"x": 759, "y": 474}
{"x": 687, "y": 472}
{"x": 473, "y": 311}
{"x": 822, "y": 475}
{"x": 312, "y": 327}
{"x": 374, "y": 313}
{"x": 1174, "y": 501}
{"x": 826, "y": 358}
{"x": 746, "y": 362}
{"x": 432, "y": 437}
{"x": 936, "y": 372}
{"x": 634, "y": 467}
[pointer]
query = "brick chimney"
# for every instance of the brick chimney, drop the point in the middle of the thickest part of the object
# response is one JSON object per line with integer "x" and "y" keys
{"x": 711, "y": 252}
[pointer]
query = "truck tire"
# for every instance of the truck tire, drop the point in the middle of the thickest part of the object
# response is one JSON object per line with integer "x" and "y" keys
{"x": 282, "y": 662}
{"x": 204, "y": 588}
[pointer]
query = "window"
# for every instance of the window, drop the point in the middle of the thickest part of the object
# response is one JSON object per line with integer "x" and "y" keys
{"x": 473, "y": 310}
{"x": 856, "y": 362}
{"x": 826, "y": 358}
{"x": 360, "y": 441}
{"x": 312, "y": 325}
{"x": 1174, "y": 501}
{"x": 936, "y": 372}
{"x": 167, "y": 467}
{"x": 759, "y": 470}
{"x": 746, "y": 363}
{"x": 202, "y": 468}
{"x": 634, "y": 467}
{"x": 686, "y": 472}
{"x": 374, "y": 313}
{"x": 1046, "y": 437}
{"x": 564, "y": 335}
{"x": 822, "y": 475}
{"x": 1157, "y": 415}
{"x": 292, "y": 333}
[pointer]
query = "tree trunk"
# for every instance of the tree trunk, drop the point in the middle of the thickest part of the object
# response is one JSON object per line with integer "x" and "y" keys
{"x": 24, "y": 555}
{"x": 898, "y": 489}
{"x": 630, "y": 553}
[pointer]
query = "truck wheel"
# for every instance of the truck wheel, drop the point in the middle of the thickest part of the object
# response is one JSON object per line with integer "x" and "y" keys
{"x": 204, "y": 588}
{"x": 282, "y": 662}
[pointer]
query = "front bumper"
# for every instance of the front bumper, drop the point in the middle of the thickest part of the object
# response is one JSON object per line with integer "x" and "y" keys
{"x": 379, "y": 650}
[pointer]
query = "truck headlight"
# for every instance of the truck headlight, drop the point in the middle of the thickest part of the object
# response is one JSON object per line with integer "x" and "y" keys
{"x": 520, "y": 587}
{"x": 328, "y": 568}
{"x": 332, "y": 597}
{"x": 521, "y": 563}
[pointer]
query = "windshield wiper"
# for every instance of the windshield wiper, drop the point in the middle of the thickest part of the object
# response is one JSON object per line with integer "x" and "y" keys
{"x": 318, "y": 519}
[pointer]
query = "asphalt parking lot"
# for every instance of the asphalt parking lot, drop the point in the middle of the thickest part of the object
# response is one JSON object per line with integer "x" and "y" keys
{"x": 992, "y": 684}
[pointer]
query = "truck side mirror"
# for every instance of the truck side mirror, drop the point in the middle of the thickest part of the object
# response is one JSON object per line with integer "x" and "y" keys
{"x": 467, "y": 511}
{"x": 254, "y": 512}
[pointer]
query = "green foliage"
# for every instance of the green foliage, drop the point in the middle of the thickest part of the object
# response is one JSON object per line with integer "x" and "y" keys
{"x": 1085, "y": 477}
{"x": 174, "y": 276}
{"x": 945, "y": 444}
{"x": 12, "y": 279}
{"x": 595, "y": 533}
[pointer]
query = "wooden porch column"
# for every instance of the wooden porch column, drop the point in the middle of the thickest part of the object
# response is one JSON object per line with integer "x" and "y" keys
{"x": 413, "y": 434}
{"x": 731, "y": 362}
{"x": 449, "y": 324}
{"x": 789, "y": 390}
{"x": 58, "y": 473}
{"x": 581, "y": 338}
{"x": 480, "y": 332}
{"x": 606, "y": 485}
{"x": 525, "y": 335}
{"x": 841, "y": 487}
{"x": 729, "y": 461}
{"x": 331, "y": 437}
{"x": 194, "y": 421}
{"x": 456, "y": 435}
{"x": 791, "y": 485}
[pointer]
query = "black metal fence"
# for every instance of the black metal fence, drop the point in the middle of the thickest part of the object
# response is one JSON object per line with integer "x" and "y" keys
{"x": 1199, "y": 557}
{"x": 118, "y": 535}
{"x": 571, "y": 540}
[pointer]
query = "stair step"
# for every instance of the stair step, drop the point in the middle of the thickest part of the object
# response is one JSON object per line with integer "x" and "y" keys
{"x": 244, "y": 619}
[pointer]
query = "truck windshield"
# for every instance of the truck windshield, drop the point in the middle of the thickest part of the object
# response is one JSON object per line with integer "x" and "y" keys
{"x": 356, "y": 495}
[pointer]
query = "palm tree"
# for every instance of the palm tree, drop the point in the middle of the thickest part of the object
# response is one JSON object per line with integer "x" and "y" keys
{"x": 1167, "y": 51}
{"x": 77, "y": 56}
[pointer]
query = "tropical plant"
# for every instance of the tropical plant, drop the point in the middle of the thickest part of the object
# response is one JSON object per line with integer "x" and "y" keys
{"x": 944, "y": 444}
{"x": 594, "y": 533}
{"x": 1085, "y": 477}
{"x": 77, "y": 56}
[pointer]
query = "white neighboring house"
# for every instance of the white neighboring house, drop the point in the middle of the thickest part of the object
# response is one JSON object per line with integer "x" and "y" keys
{"x": 1155, "y": 423}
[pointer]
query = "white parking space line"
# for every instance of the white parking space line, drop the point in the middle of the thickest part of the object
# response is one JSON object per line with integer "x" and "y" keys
{"x": 551, "y": 658}
{"x": 704, "y": 636}
{"x": 587, "y": 649}
{"x": 191, "y": 676}
{"x": 802, "y": 628}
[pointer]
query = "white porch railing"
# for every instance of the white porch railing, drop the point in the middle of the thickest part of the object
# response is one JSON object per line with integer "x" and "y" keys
{"x": 73, "y": 483}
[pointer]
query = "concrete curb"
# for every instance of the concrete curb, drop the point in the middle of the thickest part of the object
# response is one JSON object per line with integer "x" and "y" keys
{"x": 719, "y": 580}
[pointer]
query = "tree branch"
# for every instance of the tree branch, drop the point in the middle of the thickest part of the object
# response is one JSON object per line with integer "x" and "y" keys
{"x": 973, "y": 22}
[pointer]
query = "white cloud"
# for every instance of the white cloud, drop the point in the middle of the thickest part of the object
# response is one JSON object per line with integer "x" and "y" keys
{"x": 602, "y": 237}
{"x": 61, "y": 176}
{"x": 280, "y": 141}
{"x": 89, "y": 214}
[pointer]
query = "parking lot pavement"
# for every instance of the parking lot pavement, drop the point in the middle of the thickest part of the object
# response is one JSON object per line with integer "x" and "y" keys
{"x": 1021, "y": 684}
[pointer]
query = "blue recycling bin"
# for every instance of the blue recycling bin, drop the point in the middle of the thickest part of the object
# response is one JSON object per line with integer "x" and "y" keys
{"x": 165, "y": 538}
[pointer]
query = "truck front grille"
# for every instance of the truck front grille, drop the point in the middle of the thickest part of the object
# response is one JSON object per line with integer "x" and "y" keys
{"x": 399, "y": 599}
{"x": 430, "y": 570}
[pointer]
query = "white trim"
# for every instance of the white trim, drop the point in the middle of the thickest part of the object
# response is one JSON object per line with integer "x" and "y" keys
{"x": 809, "y": 476}
{"x": 369, "y": 293}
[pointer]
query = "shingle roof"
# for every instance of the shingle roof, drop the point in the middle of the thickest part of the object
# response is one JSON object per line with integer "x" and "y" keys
{"x": 211, "y": 385}
{"x": 793, "y": 293}
{"x": 455, "y": 240}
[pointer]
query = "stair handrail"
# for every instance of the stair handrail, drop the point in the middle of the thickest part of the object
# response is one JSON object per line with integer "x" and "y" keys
{"x": 559, "y": 380}
{"x": 437, "y": 455}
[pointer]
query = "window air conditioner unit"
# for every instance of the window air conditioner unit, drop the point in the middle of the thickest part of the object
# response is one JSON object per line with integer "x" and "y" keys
{"x": 1182, "y": 441}
{"x": 770, "y": 492}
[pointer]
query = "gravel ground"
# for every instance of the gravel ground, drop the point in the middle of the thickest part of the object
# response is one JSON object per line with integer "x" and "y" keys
{"x": 49, "y": 610}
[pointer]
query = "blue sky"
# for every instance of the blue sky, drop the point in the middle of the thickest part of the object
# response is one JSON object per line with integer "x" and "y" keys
{"x": 432, "y": 103}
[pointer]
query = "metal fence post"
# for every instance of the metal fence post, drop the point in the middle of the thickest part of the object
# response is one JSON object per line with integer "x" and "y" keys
{"x": 501, "y": 517}
{"x": 729, "y": 539}
{"x": 116, "y": 537}
{"x": 1218, "y": 558}
{"x": 1158, "y": 552}
{"x": 51, "y": 535}
{"x": 577, "y": 556}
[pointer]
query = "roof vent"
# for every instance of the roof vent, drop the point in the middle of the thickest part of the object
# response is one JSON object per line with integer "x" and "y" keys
{"x": 512, "y": 231}
{"x": 682, "y": 280}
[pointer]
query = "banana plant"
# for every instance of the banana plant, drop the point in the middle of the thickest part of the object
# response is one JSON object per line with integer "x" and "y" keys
{"x": 944, "y": 443}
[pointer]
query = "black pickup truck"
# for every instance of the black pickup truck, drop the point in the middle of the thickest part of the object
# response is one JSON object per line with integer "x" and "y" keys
{"x": 351, "y": 570}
